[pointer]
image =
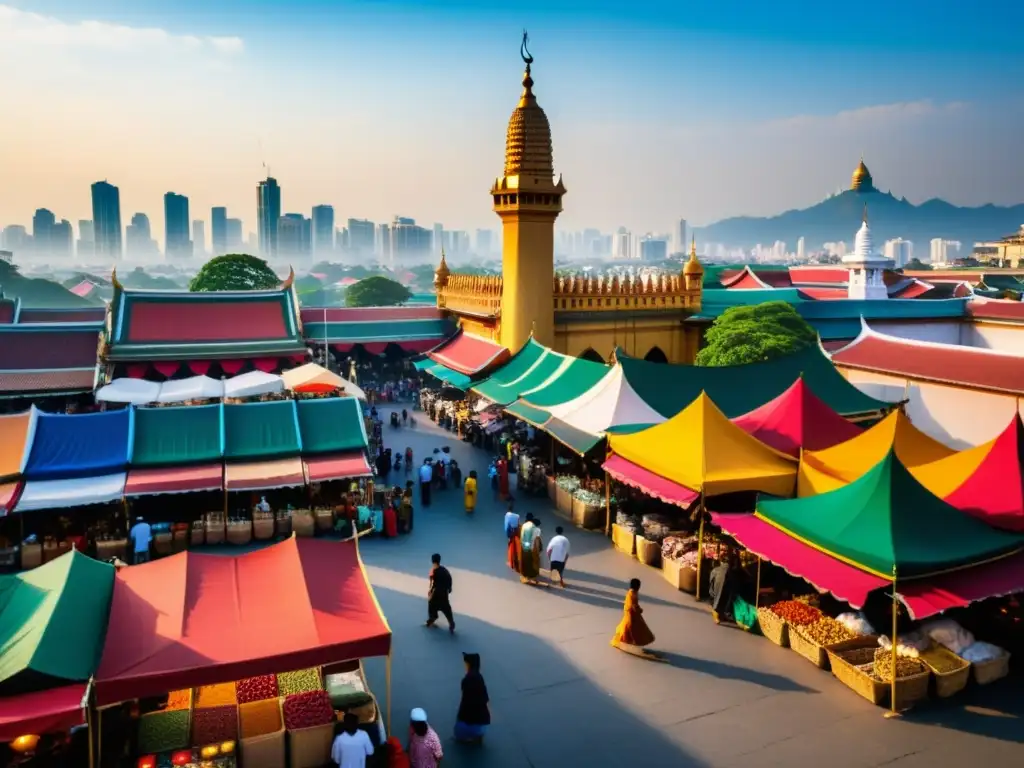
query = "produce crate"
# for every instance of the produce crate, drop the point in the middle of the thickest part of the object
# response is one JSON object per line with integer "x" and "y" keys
{"x": 32, "y": 556}
{"x": 986, "y": 672}
{"x": 262, "y": 750}
{"x": 563, "y": 501}
{"x": 624, "y": 541}
{"x": 239, "y": 532}
{"x": 853, "y": 664}
{"x": 324, "y": 519}
{"x": 950, "y": 671}
{"x": 588, "y": 516}
{"x": 215, "y": 530}
{"x": 552, "y": 485}
{"x": 197, "y": 535}
{"x": 303, "y": 523}
{"x": 773, "y": 626}
{"x": 179, "y": 541}
{"x": 648, "y": 552}
{"x": 311, "y": 747}
{"x": 163, "y": 543}
{"x": 682, "y": 577}
{"x": 263, "y": 526}
{"x": 806, "y": 647}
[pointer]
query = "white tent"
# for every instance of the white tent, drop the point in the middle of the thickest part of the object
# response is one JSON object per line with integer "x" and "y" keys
{"x": 194, "y": 388}
{"x": 76, "y": 492}
{"x": 252, "y": 384}
{"x": 612, "y": 402}
{"x": 134, "y": 391}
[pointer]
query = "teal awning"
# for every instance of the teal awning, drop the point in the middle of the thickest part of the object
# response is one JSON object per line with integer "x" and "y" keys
{"x": 268, "y": 430}
{"x": 174, "y": 436}
{"x": 331, "y": 425}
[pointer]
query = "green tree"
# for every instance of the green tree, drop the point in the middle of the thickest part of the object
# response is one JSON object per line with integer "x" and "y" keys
{"x": 754, "y": 334}
{"x": 234, "y": 272}
{"x": 916, "y": 265}
{"x": 376, "y": 291}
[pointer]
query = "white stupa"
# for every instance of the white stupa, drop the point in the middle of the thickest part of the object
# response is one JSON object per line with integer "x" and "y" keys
{"x": 867, "y": 268}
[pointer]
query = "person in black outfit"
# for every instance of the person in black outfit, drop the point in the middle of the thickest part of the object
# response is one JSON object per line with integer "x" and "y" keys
{"x": 474, "y": 715}
{"x": 438, "y": 594}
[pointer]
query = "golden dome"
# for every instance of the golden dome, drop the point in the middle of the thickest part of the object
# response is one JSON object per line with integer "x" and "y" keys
{"x": 442, "y": 273}
{"x": 528, "y": 138}
{"x": 861, "y": 178}
{"x": 693, "y": 267}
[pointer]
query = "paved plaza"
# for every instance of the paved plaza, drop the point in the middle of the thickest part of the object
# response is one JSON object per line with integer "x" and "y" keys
{"x": 561, "y": 696}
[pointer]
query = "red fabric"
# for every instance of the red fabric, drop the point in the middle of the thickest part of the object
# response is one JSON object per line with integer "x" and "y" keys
{"x": 469, "y": 354}
{"x": 396, "y": 754}
{"x": 797, "y": 419}
{"x": 205, "y": 320}
{"x": 9, "y": 493}
{"x": 390, "y": 522}
{"x": 653, "y": 485}
{"x": 231, "y": 367}
{"x": 266, "y": 364}
{"x": 149, "y": 481}
{"x": 995, "y": 490}
{"x": 167, "y": 369}
{"x": 137, "y": 370}
{"x": 847, "y": 583}
{"x": 342, "y": 348}
{"x": 55, "y": 710}
{"x": 199, "y": 367}
{"x": 375, "y": 347}
{"x": 502, "y": 478}
{"x": 194, "y": 619}
{"x": 337, "y": 466}
{"x": 958, "y": 589}
{"x": 419, "y": 345}
{"x": 745, "y": 281}
{"x": 44, "y": 350}
{"x": 368, "y": 314}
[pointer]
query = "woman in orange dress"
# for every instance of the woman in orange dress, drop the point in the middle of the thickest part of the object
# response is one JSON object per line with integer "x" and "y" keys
{"x": 632, "y": 630}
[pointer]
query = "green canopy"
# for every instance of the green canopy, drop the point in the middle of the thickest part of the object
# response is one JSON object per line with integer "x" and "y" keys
{"x": 576, "y": 439}
{"x": 573, "y": 379}
{"x": 885, "y": 520}
{"x": 180, "y": 435}
{"x": 331, "y": 425}
{"x": 532, "y": 367}
{"x": 53, "y": 621}
{"x": 424, "y": 364}
{"x": 267, "y": 430}
{"x": 739, "y": 389}
{"x": 449, "y": 377}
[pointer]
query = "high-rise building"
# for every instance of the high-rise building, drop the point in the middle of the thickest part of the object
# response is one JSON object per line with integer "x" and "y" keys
{"x": 219, "y": 230}
{"x": 384, "y": 253}
{"x": 323, "y": 230}
{"x": 438, "y": 238}
{"x": 138, "y": 237}
{"x": 16, "y": 239}
{"x": 233, "y": 236}
{"x": 681, "y": 242}
{"x": 294, "y": 236}
{"x": 944, "y": 251}
{"x": 198, "y": 237}
{"x": 361, "y": 236}
{"x": 899, "y": 250}
{"x": 653, "y": 248}
{"x": 268, "y": 212}
{"x": 177, "y": 239}
{"x": 86, "y": 245}
{"x": 622, "y": 244}
{"x": 801, "y": 249}
{"x": 484, "y": 242}
{"x": 106, "y": 219}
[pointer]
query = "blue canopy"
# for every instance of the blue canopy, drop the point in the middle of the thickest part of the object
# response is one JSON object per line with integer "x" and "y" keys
{"x": 67, "y": 446}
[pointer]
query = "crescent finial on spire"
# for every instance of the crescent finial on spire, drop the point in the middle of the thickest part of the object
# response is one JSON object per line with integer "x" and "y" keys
{"x": 524, "y": 51}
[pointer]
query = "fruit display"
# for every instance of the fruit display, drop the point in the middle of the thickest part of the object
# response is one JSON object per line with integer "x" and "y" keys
{"x": 215, "y": 696}
{"x": 307, "y": 709}
{"x": 826, "y": 631}
{"x": 905, "y": 667}
{"x": 256, "y": 688}
{"x": 796, "y": 613}
{"x": 163, "y": 731}
{"x": 299, "y": 682}
{"x": 941, "y": 660}
{"x": 258, "y": 718}
{"x": 213, "y": 725}
{"x": 178, "y": 700}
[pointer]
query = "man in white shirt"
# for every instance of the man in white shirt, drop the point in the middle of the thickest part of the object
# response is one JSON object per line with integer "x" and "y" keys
{"x": 558, "y": 554}
{"x": 352, "y": 746}
{"x": 141, "y": 535}
{"x": 426, "y": 479}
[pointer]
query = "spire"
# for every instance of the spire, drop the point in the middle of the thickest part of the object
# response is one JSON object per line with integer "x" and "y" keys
{"x": 527, "y": 96}
{"x": 864, "y": 218}
{"x": 528, "y": 137}
{"x": 693, "y": 266}
{"x": 442, "y": 273}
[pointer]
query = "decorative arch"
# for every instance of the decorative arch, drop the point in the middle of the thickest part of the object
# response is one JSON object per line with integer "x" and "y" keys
{"x": 590, "y": 354}
{"x": 656, "y": 355}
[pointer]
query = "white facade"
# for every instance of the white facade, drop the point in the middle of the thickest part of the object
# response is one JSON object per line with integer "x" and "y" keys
{"x": 866, "y": 267}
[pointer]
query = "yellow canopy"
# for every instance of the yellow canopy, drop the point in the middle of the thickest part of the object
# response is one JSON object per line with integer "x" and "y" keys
{"x": 699, "y": 448}
{"x": 831, "y": 468}
{"x": 945, "y": 475}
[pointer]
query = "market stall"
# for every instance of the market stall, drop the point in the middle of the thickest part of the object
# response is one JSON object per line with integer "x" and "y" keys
{"x": 313, "y": 378}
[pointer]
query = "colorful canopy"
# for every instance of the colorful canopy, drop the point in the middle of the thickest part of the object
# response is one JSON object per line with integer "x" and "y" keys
{"x": 700, "y": 449}
{"x": 448, "y": 376}
{"x": 312, "y": 378}
{"x": 196, "y": 619}
{"x": 16, "y": 435}
{"x": 264, "y": 475}
{"x": 338, "y": 466}
{"x": 150, "y": 481}
{"x": 887, "y": 522}
{"x": 70, "y": 492}
{"x": 576, "y": 378}
{"x": 739, "y": 389}
{"x": 653, "y": 485}
{"x": 331, "y": 425}
{"x": 253, "y": 384}
{"x": 52, "y": 622}
{"x": 529, "y": 367}
{"x": 415, "y": 329}
{"x": 9, "y": 493}
{"x": 79, "y": 445}
{"x": 797, "y": 419}
{"x": 261, "y": 430}
{"x": 52, "y": 711}
{"x": 828, "y": 469}
{"x": 128, "y": 390}
{"x": 170, "y": 436}
{"x": 469, "y": 354}
{"x": 192, "y": 388}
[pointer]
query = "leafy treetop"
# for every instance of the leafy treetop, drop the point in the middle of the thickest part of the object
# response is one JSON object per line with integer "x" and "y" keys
{"x": 235, "y": 272}
{"x": 753, "y": 334}
{"x": 376, "y": 291}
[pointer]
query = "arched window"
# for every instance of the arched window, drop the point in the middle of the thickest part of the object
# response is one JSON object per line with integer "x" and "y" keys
{"x": 591, "y": 355}
{"x": 656, "y": 356}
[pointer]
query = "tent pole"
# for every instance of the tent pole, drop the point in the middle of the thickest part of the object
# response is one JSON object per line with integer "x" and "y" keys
{"x": 757, "y": 589}
{"x": 99, "y": 737}
{"x": 607, "y": 504}
{"x": 92, "y": 747}
{"x": 387, "y": 675}
{"x": 895, "y": 615}
{"x": 700, "y": 547}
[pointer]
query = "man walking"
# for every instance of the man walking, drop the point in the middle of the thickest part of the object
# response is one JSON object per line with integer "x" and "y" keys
{"x": 426, "y": 478}
{"x": 438, "y": 594}
{"x": 558, "y": 554}
{"x": 140, "y": 535}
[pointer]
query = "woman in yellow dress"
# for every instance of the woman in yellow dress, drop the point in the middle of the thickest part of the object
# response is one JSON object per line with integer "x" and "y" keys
{"x": 469, "y": 492}
{"x": 632, "y": 630}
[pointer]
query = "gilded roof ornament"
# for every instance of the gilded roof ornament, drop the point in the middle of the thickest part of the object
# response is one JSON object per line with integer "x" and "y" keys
{"x": 114, "y": 281}
{"x": 290, "y": 280}
{"x": 693, "y": 266}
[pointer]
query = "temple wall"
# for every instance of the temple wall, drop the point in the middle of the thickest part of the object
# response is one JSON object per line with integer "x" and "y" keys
{"x": 939, "y": 332}
{"x": 679, "y": 343}
{"x": 1002, "y": 338}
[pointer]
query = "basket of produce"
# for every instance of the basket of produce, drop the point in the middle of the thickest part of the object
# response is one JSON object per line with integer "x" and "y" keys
{"x": 912, "y": 678}
{"x": 648, "y": 552}
{"x": 299, "y": 681}
{"x": 303, "y": 523}
{"x": 679, "y": 574}
{"x": 950, "y": 671}
{"x": 989, "y": 671}
{"x": 772, "y": 625}
{"x": 853, "y": 664}
{"x": 309, "y": 720}
{"x": 283, "y": 522}
{"x": 215, "y": 528}
{"x": 261, "y": 730}
{"x": 197, "y": 534}
{"x": 259, "y": 688}
{"x": 812, "y": 640}
{"x": 623, "y": 539}
{"x": 239, "y": 531}
{"x": 350, "y": 692}
{"x": 563, "y": 501}
{"x": 587, "y": 515}
{"x": 324, "y": 519}
{"x": 263, "y": 526}
{"x": 163, "y": 731}
{"x": 214, "y": 725}
{"x": 219, "y": 695}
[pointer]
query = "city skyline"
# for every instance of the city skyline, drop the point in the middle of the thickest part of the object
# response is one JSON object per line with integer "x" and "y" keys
{"x": 414, "y": 122}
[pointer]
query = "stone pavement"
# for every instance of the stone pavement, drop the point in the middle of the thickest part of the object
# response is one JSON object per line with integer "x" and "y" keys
{"x": 560, "y": 695}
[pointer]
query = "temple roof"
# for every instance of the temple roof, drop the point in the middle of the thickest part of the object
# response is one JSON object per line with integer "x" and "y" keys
{"x": 47, "y": 359}
{"x": 528, "y": 138}
{"x": 861, "y": 179}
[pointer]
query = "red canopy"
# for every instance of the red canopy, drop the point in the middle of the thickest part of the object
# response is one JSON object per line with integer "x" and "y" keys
{"x": 196, "y": 619}
{"x": 957, "y": 589}
{"x": 797, "y": 419}
{"x": 468, "y": 354}
{"x": 152, "y": 480}
{"x": 55, "y": 710}
{"x": 651, "y": 484}
{"x": 338, "y": 466}
{"x": 994, "y": 492}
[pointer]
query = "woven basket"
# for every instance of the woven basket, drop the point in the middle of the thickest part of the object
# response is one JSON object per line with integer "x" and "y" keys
{"x": 624, "y": 541}
{"x": 563, "y": 502}
{"x": 551, "y": 487}
{"x": 986, "y": 672}
{"x": 648, "y": 552}
{"x": 589, "y": 516}
{"x": 773, "y": 626}
{"x": 950, "y": 682}
{"x": 853, "y": 664}
{"x": 806, "y": 647}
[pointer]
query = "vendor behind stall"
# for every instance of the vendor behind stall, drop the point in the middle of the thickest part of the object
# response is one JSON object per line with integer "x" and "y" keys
{"x": 141, "y": 535}
{"x": 726, "y": 581}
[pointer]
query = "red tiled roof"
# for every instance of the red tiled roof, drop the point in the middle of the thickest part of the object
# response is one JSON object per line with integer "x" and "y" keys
{"x": 7, "y": 307}
{"x": 468, "y": 354}
{"x": 205, "y": 320}
{"x": 911, "y": 291}
{"x": 83, "y": 315}
{"x": 829, "y": 294}
{"x": 835, "y": 344}
{"x": 776, "y": 278}
{"x": 995, "y": 309}
{"x": 368, "y": 314}
{"x": 744, "y": 281}
{"x": 47, "y": 381}
{"x": 50, "y": 349}
{"x": 824, "y": 274}
{"x": 966, "y": 367}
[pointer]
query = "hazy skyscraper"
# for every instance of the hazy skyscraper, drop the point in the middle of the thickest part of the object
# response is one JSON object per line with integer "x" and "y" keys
{"x": 177, "y": 241}
{"x": 86, "y": 239}
{"x": 139, "y": 242}
{"x": 323, "y": 230}
{"x": 384, "y": 253}
{"x": 438, "y": 239}
{"x": 801, "y": 249}
{"x": 681, "y": 243}
{"x": 294, "y": 235}
{"x": 408, "y": 242}
{"x": 360, "y": 236}
{"x": 198, "y": 237}
{"x": 653, "y": 248}
{"x": 106, "y": 220}
{"x": 219, "y": 230}
{"x": 268, "y": 211}
{"x": 233, "y": 236}
{"x": 484, "y": 242}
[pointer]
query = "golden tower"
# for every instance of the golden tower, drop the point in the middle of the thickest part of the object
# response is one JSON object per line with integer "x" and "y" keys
{"x": 527, "y": 199}
{"x": 861, "y": 180}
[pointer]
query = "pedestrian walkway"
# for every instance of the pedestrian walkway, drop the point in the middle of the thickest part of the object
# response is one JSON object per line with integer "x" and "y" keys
{"x": 560, "y": 695}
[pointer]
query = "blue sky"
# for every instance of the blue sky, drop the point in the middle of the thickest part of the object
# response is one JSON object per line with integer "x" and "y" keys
{"x": 659, "y": 110}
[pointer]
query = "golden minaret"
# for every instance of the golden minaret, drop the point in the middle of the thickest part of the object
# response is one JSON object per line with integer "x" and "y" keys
{"x": 527, "y": 199}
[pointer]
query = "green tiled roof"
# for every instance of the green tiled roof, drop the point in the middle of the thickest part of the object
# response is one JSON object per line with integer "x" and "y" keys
{"x": 391, "y": 330}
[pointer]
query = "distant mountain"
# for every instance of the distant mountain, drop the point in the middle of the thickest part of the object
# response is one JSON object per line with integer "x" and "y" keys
{"x": 838, "y": 218}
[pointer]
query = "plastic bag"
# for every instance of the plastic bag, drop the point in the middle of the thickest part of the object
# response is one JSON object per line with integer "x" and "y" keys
{"x": 856, "y": 623}
{"x": 948, "y": 633}
{"x": 981, "y": 651}
{"x": 909, "y": 645}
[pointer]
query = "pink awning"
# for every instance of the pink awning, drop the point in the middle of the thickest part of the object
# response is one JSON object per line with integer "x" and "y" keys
{"x": 823, "y": 571}
{"x": 55, "y": 710}
{"x": 9, "y": 493}
{"x": 151, "y": 481}
{"x": 653, "y": 485}
{"x": 264, "y": 475}
{"x": 338, "y": 466}
{"x": 957, "y": 589}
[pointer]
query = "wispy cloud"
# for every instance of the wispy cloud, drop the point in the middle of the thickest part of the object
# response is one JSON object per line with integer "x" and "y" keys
{"x": 879, "y": 115}
{"x": 24, "y": 27}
